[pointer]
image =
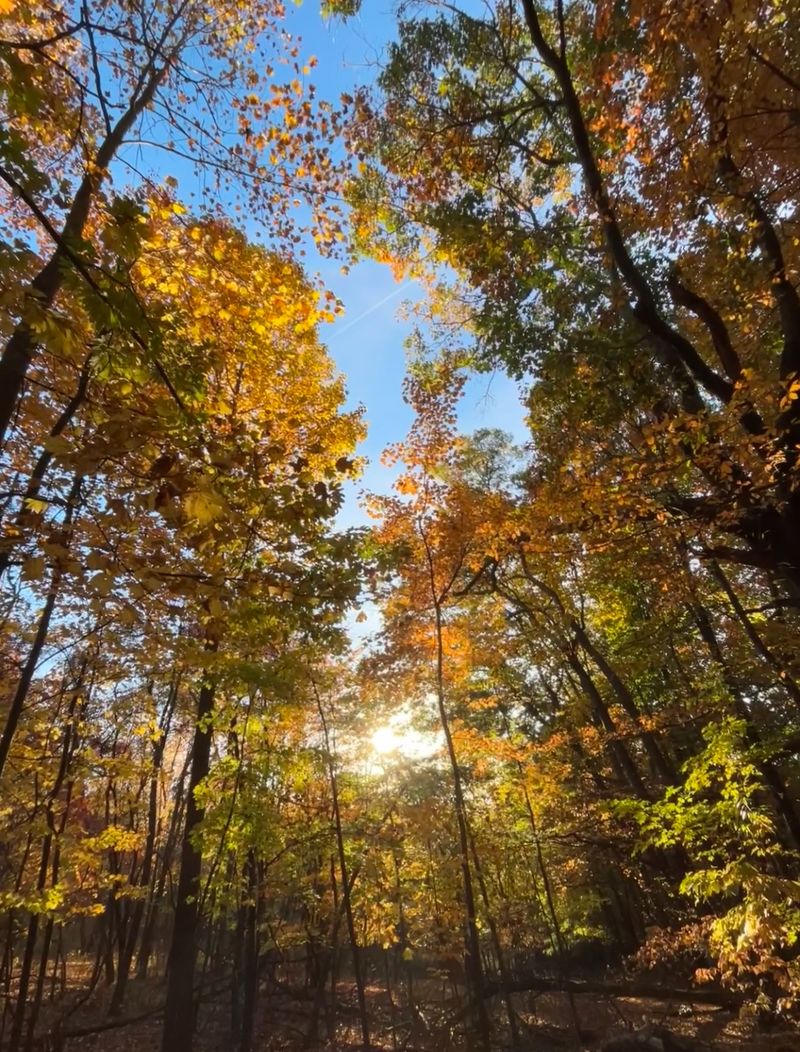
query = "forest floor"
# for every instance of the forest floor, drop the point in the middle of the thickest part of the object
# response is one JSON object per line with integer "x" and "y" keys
{"x": 546, "y": 1023}
{"x": 708, "y": 1026}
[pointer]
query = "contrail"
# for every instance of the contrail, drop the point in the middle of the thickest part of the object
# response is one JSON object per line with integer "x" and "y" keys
{"x": 368, "y": 311}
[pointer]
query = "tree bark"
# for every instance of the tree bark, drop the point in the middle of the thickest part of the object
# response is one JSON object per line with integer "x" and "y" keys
{"x": 179, "y": 1005}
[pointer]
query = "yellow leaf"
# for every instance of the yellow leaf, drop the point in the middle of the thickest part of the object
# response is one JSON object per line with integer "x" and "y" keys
{"x": 204, "y": 506}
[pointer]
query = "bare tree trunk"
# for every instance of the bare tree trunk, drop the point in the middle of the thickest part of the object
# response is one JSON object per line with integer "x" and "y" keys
{"x": 251, "y": 944}
{"x": 499, "y": 953}
{"x": 346, "y": 896}
{"x": 479, "y": 1033}
{"x": 158, "y": 887}
{"x": 551, "y": 905}
{"x": 179, "y": 1006}
{"x": 50, "y": 847}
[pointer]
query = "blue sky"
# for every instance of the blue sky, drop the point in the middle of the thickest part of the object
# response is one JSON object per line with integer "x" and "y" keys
{"x": 367, "y": 341}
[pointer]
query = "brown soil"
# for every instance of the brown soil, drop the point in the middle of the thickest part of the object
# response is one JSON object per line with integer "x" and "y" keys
{"x": 546, "y": 1023}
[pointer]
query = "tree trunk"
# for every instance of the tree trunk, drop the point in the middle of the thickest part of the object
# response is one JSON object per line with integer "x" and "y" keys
{"x": 346, "y": 897}
{"x": 129, "y": 944}
{"x": 158, "y": 887}
{"x": 179, "y": 1005}
{"x": 29, "y": 669}
{"x": 505, "y": 979}
{"x": 47, "y": 284}
{"x": 251, "y": 943}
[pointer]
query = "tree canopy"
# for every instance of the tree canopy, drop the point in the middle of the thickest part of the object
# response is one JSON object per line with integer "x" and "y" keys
{"x": 563, "y": 763}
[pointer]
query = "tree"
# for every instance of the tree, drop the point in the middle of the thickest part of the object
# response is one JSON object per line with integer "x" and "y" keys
{"x": 521, "y": 148}
{"x": 87, "y": 88}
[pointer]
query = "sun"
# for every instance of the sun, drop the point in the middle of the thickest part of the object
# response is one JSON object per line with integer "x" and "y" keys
{"x": 386, "y": 740}
{"x": 398, "y": 738}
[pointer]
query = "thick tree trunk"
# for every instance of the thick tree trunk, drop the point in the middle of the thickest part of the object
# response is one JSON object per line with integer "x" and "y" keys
{"x": 179, "y": 1007}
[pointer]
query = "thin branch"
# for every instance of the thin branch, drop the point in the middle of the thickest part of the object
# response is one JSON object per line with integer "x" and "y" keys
{"x": 779, "y": 73}
{"x": 83, "y": 270}
{"x": 40, "y": 45}
{"x": 96, "y": 68}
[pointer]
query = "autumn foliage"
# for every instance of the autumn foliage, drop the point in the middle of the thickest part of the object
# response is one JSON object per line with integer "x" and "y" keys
{"x": 585, "y": 663}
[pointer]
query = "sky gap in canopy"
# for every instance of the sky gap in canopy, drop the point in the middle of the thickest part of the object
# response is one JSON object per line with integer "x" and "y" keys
{"x": 367, "y": 341}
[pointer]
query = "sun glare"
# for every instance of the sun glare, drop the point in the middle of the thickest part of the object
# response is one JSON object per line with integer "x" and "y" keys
{"x": 398, "y": 739}
{"x": 386, "y": 740}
